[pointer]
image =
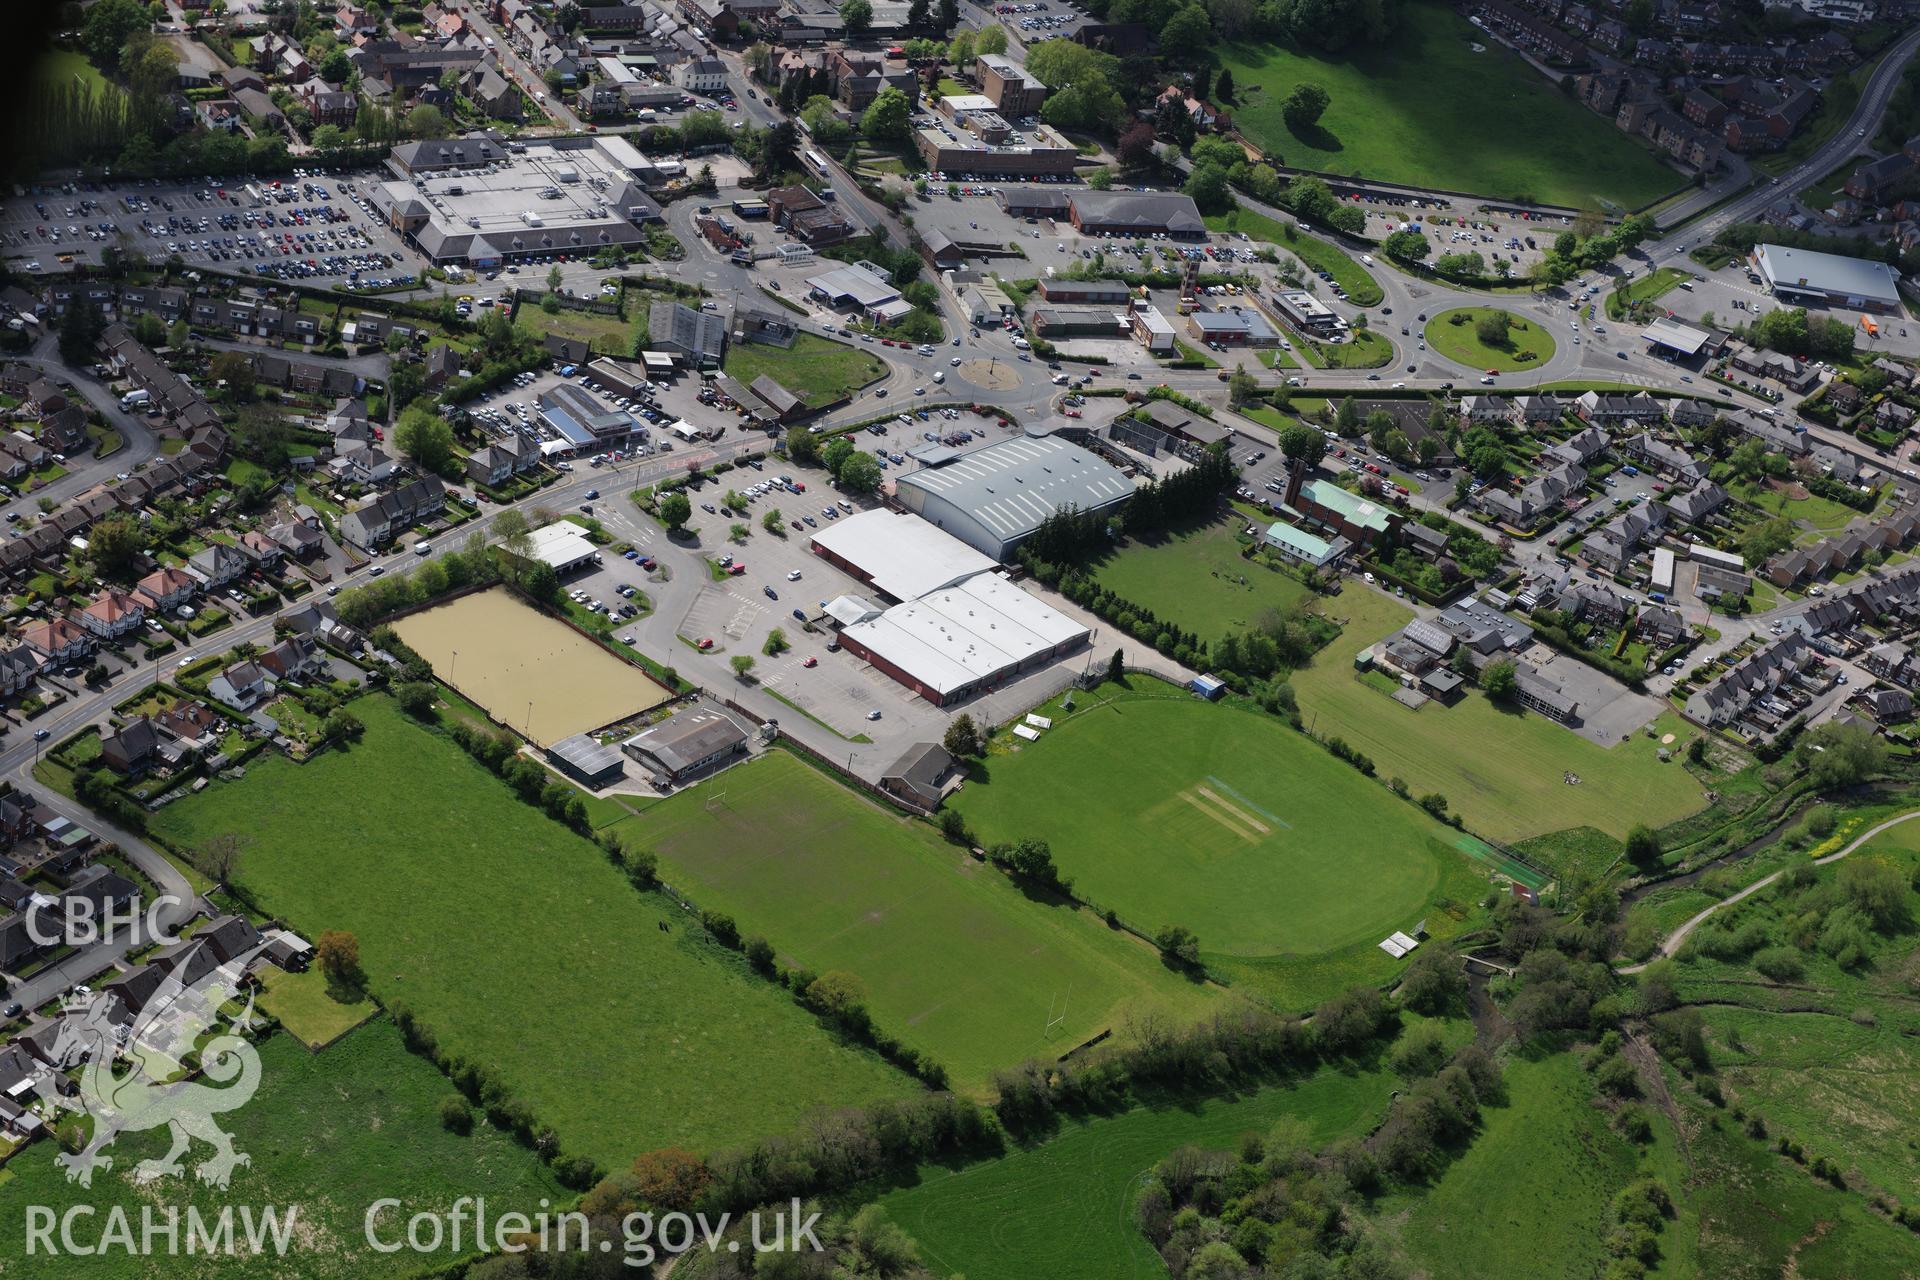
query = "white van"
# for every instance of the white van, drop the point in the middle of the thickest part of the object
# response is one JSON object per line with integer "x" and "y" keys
{"x": 1021, "y": 344}
{"x": 423, "y": 548}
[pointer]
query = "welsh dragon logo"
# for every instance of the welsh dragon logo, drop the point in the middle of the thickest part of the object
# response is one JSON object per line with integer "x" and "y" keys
{"x": 128, "y": 1075}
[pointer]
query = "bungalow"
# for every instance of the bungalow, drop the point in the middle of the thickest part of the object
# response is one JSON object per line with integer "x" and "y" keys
{"x": 132, "y": 749}
{"x": 921, "y": 776}
{"x": 189, "y": 724}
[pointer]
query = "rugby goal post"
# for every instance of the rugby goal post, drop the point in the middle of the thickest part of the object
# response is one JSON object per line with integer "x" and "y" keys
{"x": 716, "y": 801}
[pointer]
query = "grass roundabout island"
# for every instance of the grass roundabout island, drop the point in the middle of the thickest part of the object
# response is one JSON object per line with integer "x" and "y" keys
{"x": 1490, "y": 338}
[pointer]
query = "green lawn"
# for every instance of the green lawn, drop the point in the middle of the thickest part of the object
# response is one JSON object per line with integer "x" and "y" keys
{"x": 815, "y": 369}
{"x": 309, "y": 1008}
{"x": 1171, "y": 812}
{"x": 955, "y": 959}
{"x": 1501, "y": 771}
{"x": 1453, "y": 334}
{"x": 1064, "y": 1209}
{"x": 327, "y": 1134}
{"x": 1820, "y": 514}
{"x": 523, "y": 948}
{"x": 1198, "y": 578}
{"x": 1314, "y": 254}
{"x": 1424, "y": 108}
{"x": 1648, "y": 287}
{"x": 608, "y": 334}
{"x": 1530, "y": 1196}
{"x": 1365, "y": 350}
{"x": 61, "y": 66}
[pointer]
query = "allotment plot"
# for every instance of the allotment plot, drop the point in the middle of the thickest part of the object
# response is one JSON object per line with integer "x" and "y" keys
{"x": 528, "y": 671}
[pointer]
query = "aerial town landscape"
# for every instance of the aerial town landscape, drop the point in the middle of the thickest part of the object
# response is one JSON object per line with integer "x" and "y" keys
{"x": 1062, "y": 640}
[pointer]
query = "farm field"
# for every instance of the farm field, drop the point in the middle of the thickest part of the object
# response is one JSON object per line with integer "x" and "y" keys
{"x": 1837, "y": 1087}
{"x": 1195, "y": 576}
{"x": 815, "y": 369}
{"x": 327, "y": 1135}
{"x": 1503, "y": 772}
{"x": 525, "y": 668}
{"x": 955, "y": 959}
{"x": 1528, "y": 345}
{"x": 1425, "y": 108}
{"x": 1225, "y": 821}
{"x": 522, "y": 947}
{"x": 1064, "y": 1208}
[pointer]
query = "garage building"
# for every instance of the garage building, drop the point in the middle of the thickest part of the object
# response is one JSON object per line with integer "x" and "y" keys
{"x": 562, "y": 546}
{"x": 1804, "y": 277}
{"x": 994, "y": 498}
{"x": 586, "y": 761}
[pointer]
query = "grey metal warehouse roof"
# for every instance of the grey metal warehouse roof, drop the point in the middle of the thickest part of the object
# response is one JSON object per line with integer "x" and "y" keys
{"x": 1828, "y": 273}
{"x": 1145, "y": 209}
{"x": 1010, "y": 487}
{"x": 585, "y": 757}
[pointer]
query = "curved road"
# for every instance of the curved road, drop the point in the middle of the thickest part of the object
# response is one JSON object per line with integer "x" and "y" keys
{"x": 1673, "y": 940}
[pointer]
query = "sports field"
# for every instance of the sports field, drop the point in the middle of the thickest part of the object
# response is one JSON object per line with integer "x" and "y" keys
{"x": 1174, "y": 812}
{"x": 326, "y": 1135}
{"x": 1197, "y": 577}
{"x": 1504, "y": 772}
{"x": 955, "y": 959}
{"x": 1452, "y": 334}
{"x": 523, "y": 948}
{"x": 528, "y": 670}
{"x": 1426, "y": 108}
{"x": 1064, "y": 1209}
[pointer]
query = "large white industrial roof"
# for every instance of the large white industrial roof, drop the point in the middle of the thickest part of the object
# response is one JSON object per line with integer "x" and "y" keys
{"x": 559, "y": 544}
{"x": 903, "y": 555}
{"x": 960, "y": 635}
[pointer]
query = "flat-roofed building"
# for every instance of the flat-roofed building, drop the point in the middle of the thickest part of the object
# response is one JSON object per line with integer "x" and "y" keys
{"x": 1047, "y": 153}
{"x": 1307, "y": 313}
{"x": 1010, "y": 86}
{"x": 1152, "y": 329}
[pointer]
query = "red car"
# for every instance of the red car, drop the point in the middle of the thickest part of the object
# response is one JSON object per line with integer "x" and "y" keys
{"x": 811, "y": 662}
{"x": 705, "y": 644}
